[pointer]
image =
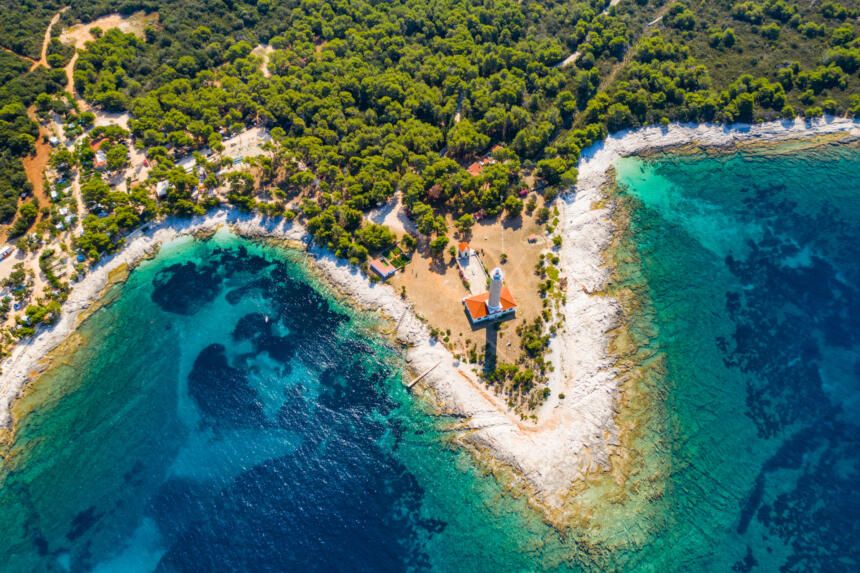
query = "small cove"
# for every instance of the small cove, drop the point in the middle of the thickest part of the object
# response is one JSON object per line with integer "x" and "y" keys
{"x": 224, "y": 410}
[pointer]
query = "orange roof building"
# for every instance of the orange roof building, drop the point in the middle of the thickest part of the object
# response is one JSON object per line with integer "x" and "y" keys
{"x": 382, "y": 268}
{"x": 495, "y": 304}
{"x": 463, "y": 249}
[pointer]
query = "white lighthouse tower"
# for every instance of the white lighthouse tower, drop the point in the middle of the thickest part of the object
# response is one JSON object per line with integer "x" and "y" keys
{"x": 494, "y": 303}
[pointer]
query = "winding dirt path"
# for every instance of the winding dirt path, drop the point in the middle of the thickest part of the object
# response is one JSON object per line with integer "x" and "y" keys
{"x": 14, "y": 53}
{"x": 43, "y": 61}
{"x": 70, "y": 80}
{"x": 571, "y": 59}
{"x": 263, "y": 51}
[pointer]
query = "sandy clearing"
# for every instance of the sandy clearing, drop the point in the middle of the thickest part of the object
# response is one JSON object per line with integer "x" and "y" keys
{"x": 393, "y": 214}
{"x": 79, "y": 34}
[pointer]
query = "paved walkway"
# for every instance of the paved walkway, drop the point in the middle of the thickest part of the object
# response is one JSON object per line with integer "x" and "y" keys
{"x": 474, "y": 273}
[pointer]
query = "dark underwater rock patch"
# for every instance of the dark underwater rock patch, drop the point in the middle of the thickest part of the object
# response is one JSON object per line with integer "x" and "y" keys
{"x": 782, "y": 317}
{"x": 184, "y": 288}
{"x": 82, "y": 522}
{"x": 222, "y": 392}
{"x": 259, "y": 330}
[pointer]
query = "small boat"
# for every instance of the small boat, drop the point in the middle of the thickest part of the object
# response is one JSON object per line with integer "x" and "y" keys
{"x": 267, "y": 319}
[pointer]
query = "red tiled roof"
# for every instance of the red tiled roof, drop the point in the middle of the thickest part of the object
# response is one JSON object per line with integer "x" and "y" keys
{"x": 477, "y": 304}
{"x": 464, "y": 245}
{"x": 382, "y": 268}
{"x": 475, "y": 169}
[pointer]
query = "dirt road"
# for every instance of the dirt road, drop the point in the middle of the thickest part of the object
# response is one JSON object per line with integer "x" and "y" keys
{"x": 571, "y": 59}
{"x": 43, "y": 61}
{"x": 80, "y": 34}
{"x": 263, "y": 51}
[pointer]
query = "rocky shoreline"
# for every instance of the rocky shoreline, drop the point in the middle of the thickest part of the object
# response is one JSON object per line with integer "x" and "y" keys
{"x": 573, "y": 438}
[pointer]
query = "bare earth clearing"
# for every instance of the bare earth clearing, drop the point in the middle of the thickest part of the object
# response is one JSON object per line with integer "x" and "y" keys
{"x": 434, "y": 285}
{"x": 80, "y": 34}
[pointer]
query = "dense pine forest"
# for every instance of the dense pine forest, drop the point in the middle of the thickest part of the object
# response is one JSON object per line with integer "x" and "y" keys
{"x": 367, "y": 94}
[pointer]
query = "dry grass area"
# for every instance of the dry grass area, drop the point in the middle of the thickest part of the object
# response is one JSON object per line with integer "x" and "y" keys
{"x": 435, "y": 288}
{"x": 79, "y": 34}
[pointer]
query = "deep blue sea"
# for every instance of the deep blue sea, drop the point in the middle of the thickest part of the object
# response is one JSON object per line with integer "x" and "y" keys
{"x": 223, "y": 411}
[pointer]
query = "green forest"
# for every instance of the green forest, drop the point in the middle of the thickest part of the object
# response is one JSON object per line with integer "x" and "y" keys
{"x": 367, "y": 98}
{"x": 365, "y": 94}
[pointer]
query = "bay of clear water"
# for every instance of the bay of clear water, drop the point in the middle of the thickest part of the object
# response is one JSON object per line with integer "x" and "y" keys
{"x": 223, "y": 411}
{"x": 748, "y": 272}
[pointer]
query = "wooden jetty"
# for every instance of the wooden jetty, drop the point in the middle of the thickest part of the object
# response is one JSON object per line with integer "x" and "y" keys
{"x": 423, "y": 374}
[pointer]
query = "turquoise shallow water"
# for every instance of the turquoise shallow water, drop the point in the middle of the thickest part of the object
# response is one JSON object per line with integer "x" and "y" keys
{"x": 223, "y": 411}
{"x": 749, "y": 267}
